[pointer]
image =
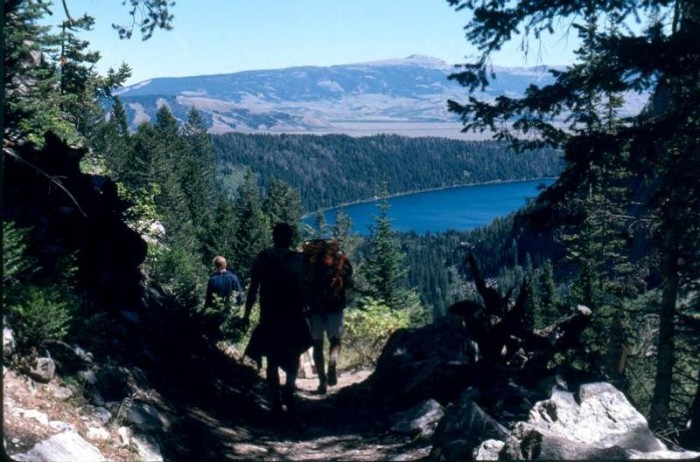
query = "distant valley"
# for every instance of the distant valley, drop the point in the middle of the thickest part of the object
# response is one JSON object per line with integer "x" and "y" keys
{"x": 403, "y": 96}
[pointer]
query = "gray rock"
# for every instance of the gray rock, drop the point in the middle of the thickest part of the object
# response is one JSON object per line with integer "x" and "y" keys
{"x": 8, "y": 341}
{"x": 429, "y": 362}
{"x": 145, "y": 416}
{"x": 39, "y": 416}
{"x": 43, "y": 370}
{"x": 88, "y": 376}
{"x": 97, "y": 433}
{"x": 93, "y": 394}
{"x": 147, "y": 447}
{"x": 103, "y": 415}
{"x": 420, "y": 420}
{"x": 62, "y": 447}
{"x": 488, "y": 450}
{"x": 603, "y": 418}
{"x": 69, "y": 359}
{"x": 463, "y": 429}
{"x": 125, "y": 435}
{"x": 83, "y": 354}
{"x": 663, "y": 455}
{"x": 533, "y": 443}
{"x": 61, "y": 426}
{"x": 595, "y": 423}
{"x": 62, "y": 393}
{"x": 112, "y": 383}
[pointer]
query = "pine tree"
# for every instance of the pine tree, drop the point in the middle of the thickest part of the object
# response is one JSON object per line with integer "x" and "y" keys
{"x": 32, "y": 105}
{"x": 113, "y": 142}
{"x": 342, "y": 230}
{"x": 253, "y": 231}
{"x": 547, "y": 311}
{"x": 282, "y": 204}
{"x": 320, "y": 225}
{"x": 383, "y": 267}
{"x": 198, "y": 183}
{"x": 170, "y": 172}
{"x": 225, "y": 229}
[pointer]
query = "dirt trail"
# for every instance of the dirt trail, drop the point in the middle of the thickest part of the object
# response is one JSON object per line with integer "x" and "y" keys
{"x": 338, "y": 426}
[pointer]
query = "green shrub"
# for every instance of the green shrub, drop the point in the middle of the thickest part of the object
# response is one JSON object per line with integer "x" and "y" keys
{"x": 14, "y": 262}
{"x": 179, "y": 273}
{"x": 36, "y": 311}
{"x": 242, "y": 338}
{"x": 367, "y": 328}
{"x": 221, "y": 320}
{"x": 41, "y": 315}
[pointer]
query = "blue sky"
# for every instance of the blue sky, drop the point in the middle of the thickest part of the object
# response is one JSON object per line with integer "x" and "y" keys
{"x": 224, "y": 36}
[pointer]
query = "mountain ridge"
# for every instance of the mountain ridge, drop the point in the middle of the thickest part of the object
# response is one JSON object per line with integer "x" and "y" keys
{"x": 406, "y": 96}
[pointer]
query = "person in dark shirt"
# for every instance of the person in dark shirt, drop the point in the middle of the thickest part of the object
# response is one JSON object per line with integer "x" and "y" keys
{"x": 223, "y": 284}
{"x": 278, "y": 276}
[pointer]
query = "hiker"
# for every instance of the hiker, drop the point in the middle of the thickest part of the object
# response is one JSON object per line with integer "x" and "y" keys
{"x": 222, "y": 285}
{"x": 331, "y": 275}
{"x": 282, "y": 334}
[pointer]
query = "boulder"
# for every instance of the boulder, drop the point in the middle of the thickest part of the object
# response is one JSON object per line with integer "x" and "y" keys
{"x": 112, "y": 383}
{"x": 8, "y": 340}
{"x": 598, "y": 415}
{"x": 147, "y": 447}
{"x": 125, "y": 434}
{"x": 146, "y": 417}
{"x": 597, "y": 422}
{"x": 488, "y": 450}
{"x": 431, "y": 362}
{"x": 42, "y": 370}
{"x": 98, "y": 433}
{"x": 103, "y": 415}
{"x": 63, "y": 446}
{"x": 464, "y": 428}
{"x": 34, "y": 414}
{"x": 69, "y": 359}
{"x": 62, "y": 393}
{"x": 61, "y": 426}
{"x": 420, "y": 420}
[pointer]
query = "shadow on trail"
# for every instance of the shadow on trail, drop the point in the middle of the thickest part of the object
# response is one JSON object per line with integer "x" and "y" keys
{"x": 222, "y": 413}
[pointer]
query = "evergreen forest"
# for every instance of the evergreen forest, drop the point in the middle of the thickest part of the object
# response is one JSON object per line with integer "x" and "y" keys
{"x": 331, "y": 170}
{"x": 618, "y": 232}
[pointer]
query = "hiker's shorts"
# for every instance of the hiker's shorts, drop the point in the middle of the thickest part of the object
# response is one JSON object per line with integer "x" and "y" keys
{"x": 329, "y": 323}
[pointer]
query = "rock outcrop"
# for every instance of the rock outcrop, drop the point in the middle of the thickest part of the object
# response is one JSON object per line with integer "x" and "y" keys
{"x": 492, "y": 373}
{"x": 74, "y": 213}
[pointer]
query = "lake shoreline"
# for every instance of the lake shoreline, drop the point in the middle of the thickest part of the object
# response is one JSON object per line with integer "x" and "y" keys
{"x": 408, "y": 193}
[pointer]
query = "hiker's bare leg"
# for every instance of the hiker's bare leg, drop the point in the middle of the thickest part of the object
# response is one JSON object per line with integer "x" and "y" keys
{"x": 320, "y": 366}
{"x": 333, "y": 352}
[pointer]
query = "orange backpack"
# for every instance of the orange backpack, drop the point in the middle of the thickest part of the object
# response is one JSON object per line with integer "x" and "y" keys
{"x": 330, "y": 273}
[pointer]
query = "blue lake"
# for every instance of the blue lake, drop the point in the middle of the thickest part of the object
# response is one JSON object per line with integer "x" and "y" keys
{"x": 460, "y": 208}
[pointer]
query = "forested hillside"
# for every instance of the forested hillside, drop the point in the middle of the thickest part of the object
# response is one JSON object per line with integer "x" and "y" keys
{"x": 331, "y": 170}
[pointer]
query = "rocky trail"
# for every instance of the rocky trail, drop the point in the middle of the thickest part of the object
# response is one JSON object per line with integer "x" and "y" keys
{"x": 340, "y": 425}
{"x": 420, "y": 403}
{"x": 211, "y": 411}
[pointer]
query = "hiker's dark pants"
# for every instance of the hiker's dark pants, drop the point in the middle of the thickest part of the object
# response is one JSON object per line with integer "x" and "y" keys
{"x": 290, "y": 367}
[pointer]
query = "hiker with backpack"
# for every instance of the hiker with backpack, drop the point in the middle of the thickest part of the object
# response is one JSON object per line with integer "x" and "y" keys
{"x": 331, "y": 275}
{"x": 278, "y": 274}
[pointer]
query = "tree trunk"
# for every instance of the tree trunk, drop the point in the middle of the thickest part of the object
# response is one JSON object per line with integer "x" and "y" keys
{"x": 666, "y": 349}
{"x": 691, "y": 440}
